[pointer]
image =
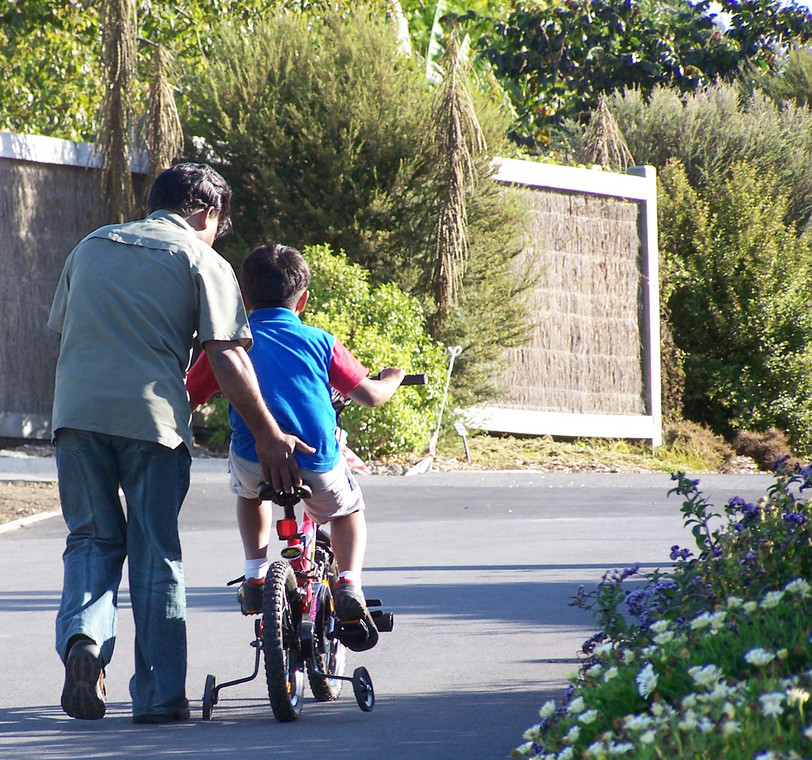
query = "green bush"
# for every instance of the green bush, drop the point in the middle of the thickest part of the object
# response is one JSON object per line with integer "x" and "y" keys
{"x": 383, "y": 327}
{"x": 738, "y": 285}
{"x": 714, "y": 128}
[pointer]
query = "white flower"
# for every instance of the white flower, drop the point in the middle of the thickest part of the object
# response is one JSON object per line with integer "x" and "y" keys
{"x": 664, "y": 637}
{"x": 566, "y": 754}
{"x": 629, "y": 656}
{"x": 648, "y": 737}
{"x": 808, "y": 733}
{"x": 659, "y": 626}
{"x": 636, "y": 722}
{"x": 621, "y": 748}
{"x": 609, "y": 674}
{"x": 533, "y": 733}
{"x": 766, "y": 755}
{"x": 658, "y": 708}
{"x": 771, "y": 599}
{"x": 717, "y": 620}
{"x": 688, "y": 722}
{"x": 689, "y": 700}
{"x": 604, "y": 650}
{"x": 525, "y": 749}
{"x": 800, "y": 587}
{"x": 595, "y": 670}
{"x": 576, "y": 706}
{"x": 719, "y": 692}
{"x": 734, "y": 602}
{"x": 782, "y": 654}
{"x": 705, "y": 676}
{"x": 572, "y": 735}
{"x": 590, "y": 716}
{"x": 750, "y": 607}
{"x": 731, "y": 727}
{"x": 759, "y": 656}
{"x": 706, "y": 725}
{"x": 798, "y": 695}
{"x": 646, "y": 680}
{"x": 701, "y": 621}
{"x": 771, "y": 703}
{"x": 596, "y": 750}
{"x": 547, "y": 709}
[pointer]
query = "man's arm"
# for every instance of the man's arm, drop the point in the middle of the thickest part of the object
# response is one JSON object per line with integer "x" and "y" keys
{"x": 236, "y": 377}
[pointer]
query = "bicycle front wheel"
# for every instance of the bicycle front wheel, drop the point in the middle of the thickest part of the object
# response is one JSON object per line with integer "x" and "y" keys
{"x": 281, "y": 642}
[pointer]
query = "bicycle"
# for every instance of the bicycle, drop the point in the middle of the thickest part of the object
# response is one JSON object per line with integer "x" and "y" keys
{"x": 298, "y": 632}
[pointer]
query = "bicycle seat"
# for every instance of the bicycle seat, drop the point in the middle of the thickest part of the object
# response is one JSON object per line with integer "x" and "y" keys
{"x": 266, "y": 492}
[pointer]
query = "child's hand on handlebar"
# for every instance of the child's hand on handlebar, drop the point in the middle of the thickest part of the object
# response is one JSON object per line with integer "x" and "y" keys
{"x": 374, "y": 391}
{"x": 391, "y": 374}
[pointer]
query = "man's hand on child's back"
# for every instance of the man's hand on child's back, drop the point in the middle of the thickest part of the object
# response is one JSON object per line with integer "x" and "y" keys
{"x": 279, "y": 467}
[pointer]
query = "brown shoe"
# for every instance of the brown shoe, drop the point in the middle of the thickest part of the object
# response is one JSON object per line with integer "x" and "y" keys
{"x": 182, "y": 713}
{"x": 84, "y": 695}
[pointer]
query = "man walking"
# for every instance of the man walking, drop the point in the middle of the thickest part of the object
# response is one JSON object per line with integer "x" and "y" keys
{"x": 130, "y": 303}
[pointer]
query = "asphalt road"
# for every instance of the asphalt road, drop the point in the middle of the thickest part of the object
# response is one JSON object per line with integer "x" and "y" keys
{"x": 477, "y": 567}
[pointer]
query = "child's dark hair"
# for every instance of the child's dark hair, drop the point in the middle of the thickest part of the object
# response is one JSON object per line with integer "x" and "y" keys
{"x": 274, "y": 275}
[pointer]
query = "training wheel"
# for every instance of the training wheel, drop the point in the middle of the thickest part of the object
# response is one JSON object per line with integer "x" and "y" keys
{"x": 209, "y": 697}
{"x": 362, "y": 687}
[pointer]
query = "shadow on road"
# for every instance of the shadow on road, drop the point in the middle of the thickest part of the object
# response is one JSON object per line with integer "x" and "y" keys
{"x": 438, "y": 726}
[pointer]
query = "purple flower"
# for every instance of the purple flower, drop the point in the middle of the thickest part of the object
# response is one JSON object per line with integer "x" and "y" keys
{"x": 795, "y": 518}
{"x": 806, "y": 476}
{"x": 677, "y": 553}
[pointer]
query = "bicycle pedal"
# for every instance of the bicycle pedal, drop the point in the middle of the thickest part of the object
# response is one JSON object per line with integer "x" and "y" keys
{"x": 356, "y": 635}
{"x": 384, "y": 621}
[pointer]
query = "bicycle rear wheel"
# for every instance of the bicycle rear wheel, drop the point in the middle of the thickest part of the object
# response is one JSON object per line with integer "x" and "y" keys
{"x": 281, "y": 642}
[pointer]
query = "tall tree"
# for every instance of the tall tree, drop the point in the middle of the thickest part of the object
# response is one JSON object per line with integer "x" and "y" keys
{"x": 113, "y": 142}
{"x": 164, "y": 137}
{"x": 557, "y": 58}
{"x": 459, "y": 138}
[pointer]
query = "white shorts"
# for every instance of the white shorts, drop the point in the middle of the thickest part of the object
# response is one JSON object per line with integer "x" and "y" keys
{"x": 335, "y": 493}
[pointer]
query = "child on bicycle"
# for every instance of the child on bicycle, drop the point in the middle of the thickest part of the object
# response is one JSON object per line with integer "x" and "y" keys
{"x": 296, "y": 365}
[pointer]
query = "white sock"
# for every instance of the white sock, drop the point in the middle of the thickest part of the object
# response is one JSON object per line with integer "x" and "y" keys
{"x": 256, "y": 568}
{"x": 350, "y": 577}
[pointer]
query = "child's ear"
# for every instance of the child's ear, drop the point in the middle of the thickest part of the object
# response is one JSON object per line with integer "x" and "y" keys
{"x": 302, "y": 302}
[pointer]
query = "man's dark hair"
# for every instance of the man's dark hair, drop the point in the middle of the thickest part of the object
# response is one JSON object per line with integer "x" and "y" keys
{"x": 274, "y": 275}
{"x": 186, "y": 188}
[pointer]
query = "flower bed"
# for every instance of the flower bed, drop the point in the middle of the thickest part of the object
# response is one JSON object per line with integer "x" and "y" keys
{"x": 713, "y": 659}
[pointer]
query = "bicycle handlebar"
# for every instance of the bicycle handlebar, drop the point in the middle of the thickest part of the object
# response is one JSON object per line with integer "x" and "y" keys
{"x": 419, "y": 379}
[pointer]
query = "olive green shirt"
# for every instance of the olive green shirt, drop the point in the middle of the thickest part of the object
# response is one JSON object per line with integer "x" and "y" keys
{"x": 129, "y": 305}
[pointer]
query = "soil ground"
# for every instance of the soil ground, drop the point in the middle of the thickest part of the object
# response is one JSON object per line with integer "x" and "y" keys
{"x": 22, "y": 499}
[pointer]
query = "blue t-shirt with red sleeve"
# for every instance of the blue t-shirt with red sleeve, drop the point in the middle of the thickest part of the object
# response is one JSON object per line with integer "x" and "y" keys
{"x": 296, "y": 365}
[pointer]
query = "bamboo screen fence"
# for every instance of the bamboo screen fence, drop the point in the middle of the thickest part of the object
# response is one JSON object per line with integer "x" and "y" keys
{"x": 49, "y": 200}
{"x": 591, "y": 365}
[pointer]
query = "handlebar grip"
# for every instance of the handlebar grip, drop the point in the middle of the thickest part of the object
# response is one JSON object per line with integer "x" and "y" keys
{"x": 420, "y": 379}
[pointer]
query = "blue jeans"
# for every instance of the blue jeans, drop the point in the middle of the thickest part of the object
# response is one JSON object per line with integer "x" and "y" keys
{"x": 154, "y": 479}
